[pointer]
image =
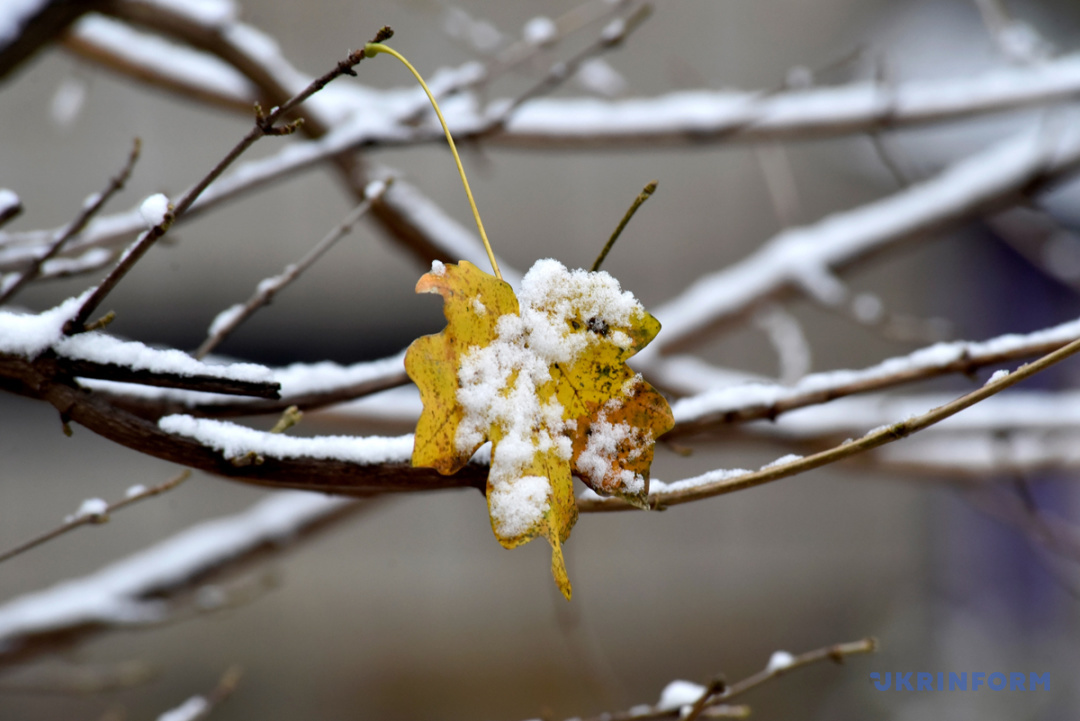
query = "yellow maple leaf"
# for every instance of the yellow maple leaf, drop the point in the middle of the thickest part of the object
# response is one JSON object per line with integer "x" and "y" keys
{"x": 544, "y": 380}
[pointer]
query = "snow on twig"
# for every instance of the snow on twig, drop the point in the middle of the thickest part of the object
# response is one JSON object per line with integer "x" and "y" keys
{"x": 95, "y": 510}
{"x": 806, "y": 257}
{"x": 236, "y": 442}
{"x": 118, "y": 45}
{"x": 745, "y": 401}
{"x": 700, "y": 115}
{"x": 379, "y": 115}
{"x": 120, "y": 594}
{"x": 306, "y": 385}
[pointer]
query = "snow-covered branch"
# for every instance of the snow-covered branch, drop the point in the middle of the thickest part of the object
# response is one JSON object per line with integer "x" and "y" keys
{"x": 136, "y": 590}
{"x": 806, "y": 258}
{"x": 736, "y": 402}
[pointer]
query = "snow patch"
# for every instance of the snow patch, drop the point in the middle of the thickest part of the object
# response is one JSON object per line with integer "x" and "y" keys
{"x": 154, "y": 209}
{"x": 540, "y": 31}
{"x": 678, "y": 694}
{"x": 236, "y": 441}
{"x": 779, "y": 661}
{"x": 194, "y": 708}
{"x": 91, "y": 507}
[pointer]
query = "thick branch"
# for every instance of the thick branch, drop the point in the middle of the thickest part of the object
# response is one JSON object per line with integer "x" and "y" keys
{"x": 328, "y": 475}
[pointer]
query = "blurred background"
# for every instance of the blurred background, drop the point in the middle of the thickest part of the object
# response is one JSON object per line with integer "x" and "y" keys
{"x": 412, "y": 610}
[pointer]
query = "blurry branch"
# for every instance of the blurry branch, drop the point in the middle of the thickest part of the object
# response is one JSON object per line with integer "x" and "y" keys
{"x": 806, "y": 258}
{"x": 717, "y": 483}
{"x": 199, "y": 707}
{"x": 96, "y": 511}
{"x": 264, "y": 125}
{"x": 978, "y": 455}
{"x": 1049, "y": 532}
{"x": 751, "y": 401}
{"x": 149, "y": 587}
{"x": 611, "y": 37}
{"x": 1018, "y": 41}
{"x": 230, "y": 319}
{"x": 36, "y": 25}
{"x": 81, "y": 679}
{"x": 90, "y": 209}
{"x": 702, "y": 116}
{"x": 188, "y": 72}
{"x": 713, "y": 698}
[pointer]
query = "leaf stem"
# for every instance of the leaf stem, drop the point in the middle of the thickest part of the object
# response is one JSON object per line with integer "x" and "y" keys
{"x": 372, "y": 49}
{"x": 644, "y": 195}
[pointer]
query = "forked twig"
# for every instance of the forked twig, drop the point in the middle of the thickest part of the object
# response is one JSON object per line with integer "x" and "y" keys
{"x": 264, "y": 125}
{"x": 89, "y": 211}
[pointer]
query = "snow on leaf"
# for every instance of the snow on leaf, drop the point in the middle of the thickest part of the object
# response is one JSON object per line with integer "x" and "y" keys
{"x": 543, "y": 377}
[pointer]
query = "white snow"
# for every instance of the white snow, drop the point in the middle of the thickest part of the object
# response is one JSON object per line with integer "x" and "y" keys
{"x": 211, "y": 13}
{"x": 518, "y": 504}
{"x": 438, "y": 268}
{"x": 783, "y": 461}
{"x": 194, "y": 708}
{"x": 118, "y": 593}
{"x": 678, "y": 694}
{"x": 8, "y": 200}
{"x": 14, "y": 14}
{"x": 225, "y": 319}
{"x": 296, "y": 380}
{"x": 101, "y": 348}
{"x": 91, "y": 507}
{"x": 480, "y": 34}
{"x": 67, "y": 101}
{"x": 821, "y": 108}
{"x": 779, "y": 661}
{"x": 597, "y": 76}
{"x": 236, "y": 441}
{"x": 178, "y": 63}
{"x": 136, "y": 490}
{"x": 28, "y": 334}
{"x": 735, "y": 396}
{"x": 154, "y": 209}
{"x": 540, "y": 31}
{"x": 997, "y": 375}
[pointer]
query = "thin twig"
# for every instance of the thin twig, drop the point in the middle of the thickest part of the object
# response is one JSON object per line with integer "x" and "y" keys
{"x": 835, "y": 653}
{"x": 268, "y": 288}
{"x": 614, "y": 34}
{"x": 718, "y": 693}
{"x": 96, "y": 517}
{"x": 89, "y": 211}
{"x": 264, "y": 125}
{"x": 644, "y": 195}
